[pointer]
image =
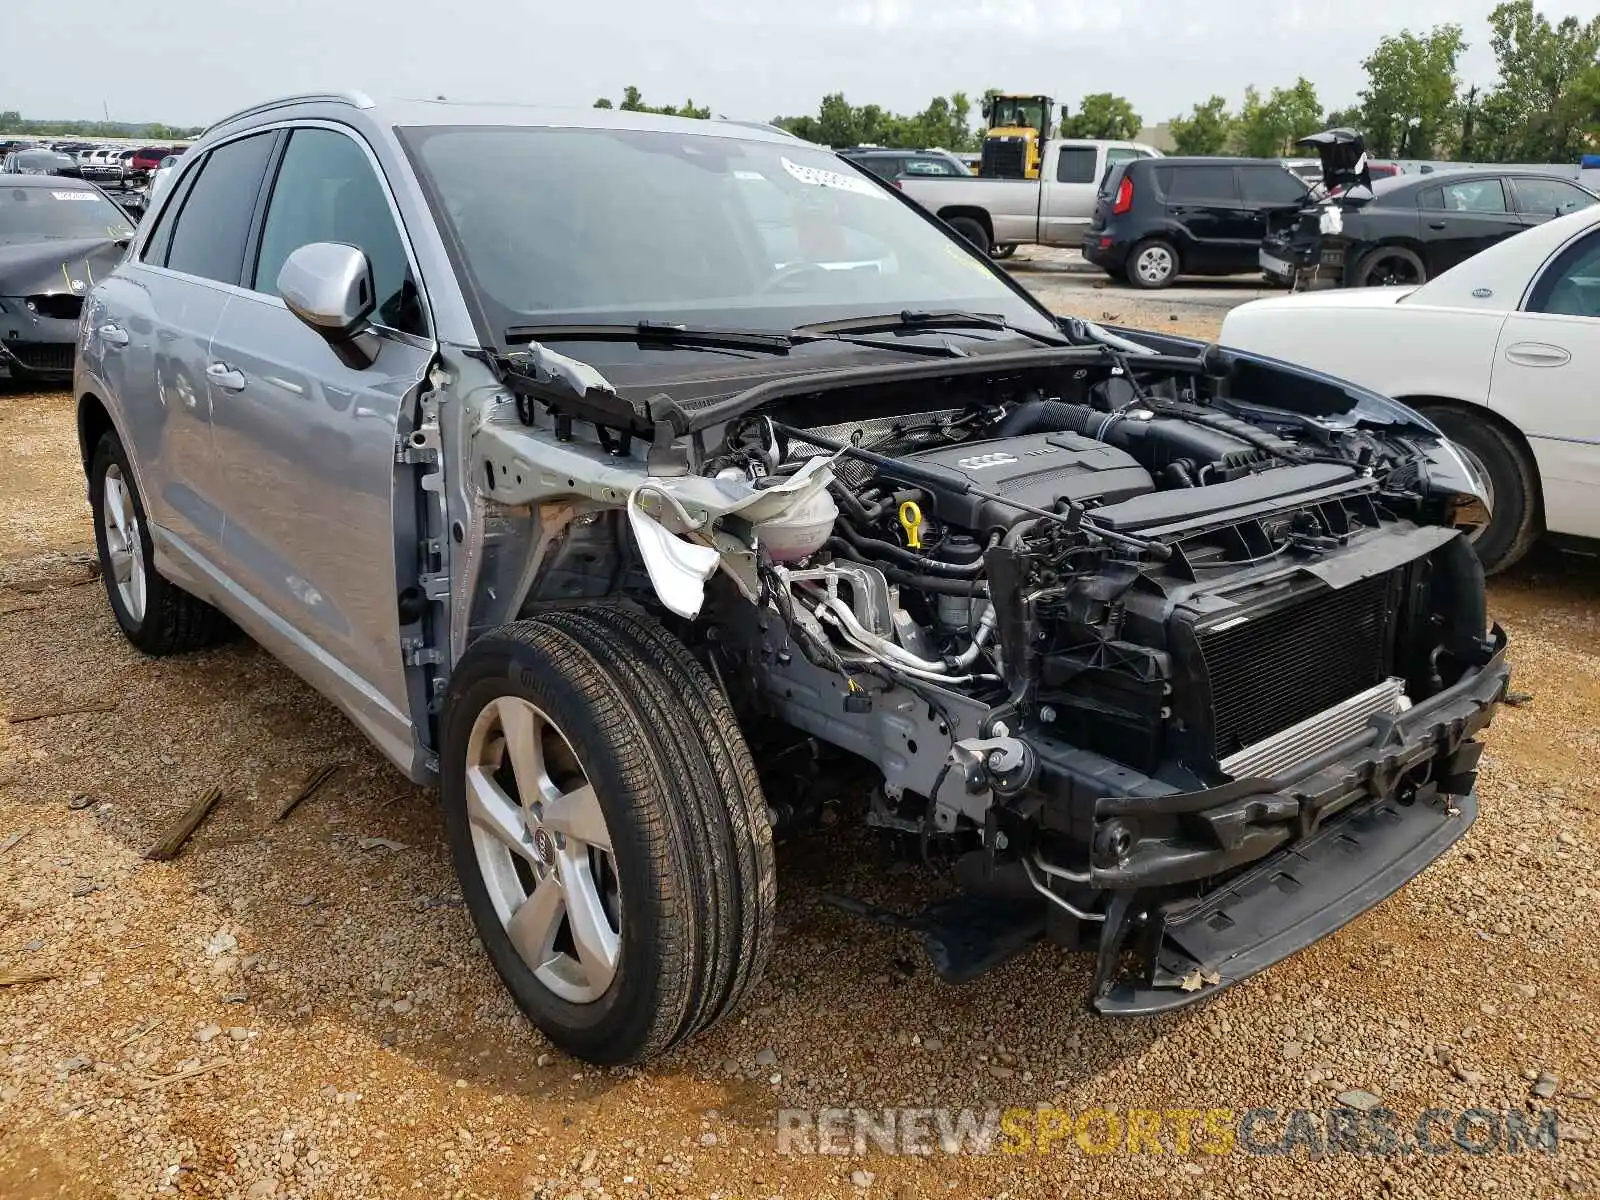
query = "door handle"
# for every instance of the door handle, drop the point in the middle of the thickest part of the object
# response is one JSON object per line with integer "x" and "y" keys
{"x": 224, "y": 376}
{"x": 1537, "y": 354}
{"x": 1436, "y": 224}
{"x": 113, "y": 335}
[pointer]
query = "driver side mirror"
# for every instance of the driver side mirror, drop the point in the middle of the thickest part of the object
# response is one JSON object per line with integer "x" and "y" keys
{"x": 328, "y": 285}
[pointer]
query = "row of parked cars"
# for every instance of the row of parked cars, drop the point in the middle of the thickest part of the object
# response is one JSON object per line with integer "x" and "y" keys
{"x": 83, "y": 160}
{"x": 1337, "y": 220}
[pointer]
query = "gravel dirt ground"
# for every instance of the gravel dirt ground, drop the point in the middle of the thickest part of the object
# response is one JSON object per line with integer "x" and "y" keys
{"x": 297, "y": 1008}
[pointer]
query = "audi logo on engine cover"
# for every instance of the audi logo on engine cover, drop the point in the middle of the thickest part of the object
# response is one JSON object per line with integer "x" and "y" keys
{"x": 981, "y": 461}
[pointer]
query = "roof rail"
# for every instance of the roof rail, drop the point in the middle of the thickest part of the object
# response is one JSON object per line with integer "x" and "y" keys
{"x": 354, "y": 99}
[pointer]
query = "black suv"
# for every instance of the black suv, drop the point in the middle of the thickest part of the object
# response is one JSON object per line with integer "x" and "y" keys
{"x": 1157, "y": 218}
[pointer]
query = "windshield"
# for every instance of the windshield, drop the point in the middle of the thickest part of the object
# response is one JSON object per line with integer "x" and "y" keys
{"x": 30, "y": 213}
{"x": 623, "y": 225}
{"x": 1017, "y": 114}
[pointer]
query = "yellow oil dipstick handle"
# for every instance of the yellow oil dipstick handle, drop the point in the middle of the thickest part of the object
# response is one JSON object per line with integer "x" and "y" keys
{"x": 911, "y": 522}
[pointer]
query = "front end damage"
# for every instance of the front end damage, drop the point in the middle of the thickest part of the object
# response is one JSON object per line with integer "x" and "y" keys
{"x": 1176, "y": 659}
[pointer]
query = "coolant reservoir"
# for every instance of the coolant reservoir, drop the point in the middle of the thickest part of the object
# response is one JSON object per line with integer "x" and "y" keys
{"x": 800, "y": 530}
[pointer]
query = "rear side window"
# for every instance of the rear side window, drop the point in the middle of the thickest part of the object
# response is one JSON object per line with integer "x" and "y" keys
{"x": 209, "y": 236}
{"x": 928, "y": 166}
{"x": 1199, "y": 183}
{"x": 1470, "y": 195}
{"x": 1076, "y": 164}
{"x": 1271, "y": 185}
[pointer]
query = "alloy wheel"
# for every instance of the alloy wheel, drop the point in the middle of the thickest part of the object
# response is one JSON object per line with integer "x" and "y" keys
{"x": 1154, "y": 264}
{"x": 124, "y": 546}
{"x": 543, "y": 849}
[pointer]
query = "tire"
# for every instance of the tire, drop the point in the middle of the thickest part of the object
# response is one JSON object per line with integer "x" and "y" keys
{"x": 1004, "y": 250}
{"x": 972, "y": 230}
{"x": 688, "y": 842}
{"x": 1152, "y": 264}
{"x": 156, "y": 615}
{"x": 1513, "y": 481}
{"x": 1388, "y": 266}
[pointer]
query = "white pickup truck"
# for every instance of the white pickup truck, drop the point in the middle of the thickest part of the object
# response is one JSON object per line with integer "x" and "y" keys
{"x": 1053, "y": 210}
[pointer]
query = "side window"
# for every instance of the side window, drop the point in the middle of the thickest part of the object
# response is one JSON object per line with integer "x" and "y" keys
{"x": 1076, "y": 164}
{"x": 1431, "y": 199}
{"x": 1202, "y": 183}
{"x": 213, "y": 220}
{"x": 1570, "y": 286}
{"x": 1550, "y": 197}
{"x": 327, "y": 191}
{"x": 1471, "y": 195}
{"x": 927, "y": 166}
{"x": 1271, "y": 185}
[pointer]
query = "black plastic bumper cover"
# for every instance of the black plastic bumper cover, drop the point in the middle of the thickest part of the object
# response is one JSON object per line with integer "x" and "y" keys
{"x": 1294, "y": 899}
{"x": 1362, "y": 842}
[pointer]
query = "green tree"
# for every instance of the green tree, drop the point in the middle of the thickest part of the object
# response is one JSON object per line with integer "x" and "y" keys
{"x": 1268, "y": 128}
{"x": 1204, "y": 131}
{"x": 1537, "y": 112}
{"x": 1102, "y": 115}
{"x": 633, "y": 101}
{"x": 1410, "y": 107}
{"x": 946, "y": 122}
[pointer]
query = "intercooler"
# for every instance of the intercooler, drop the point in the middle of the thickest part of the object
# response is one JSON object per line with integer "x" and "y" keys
{"x": 1271, "y": 672}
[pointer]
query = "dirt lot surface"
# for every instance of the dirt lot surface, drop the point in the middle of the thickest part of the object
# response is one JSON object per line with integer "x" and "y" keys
{"x": 297, "y": 1007}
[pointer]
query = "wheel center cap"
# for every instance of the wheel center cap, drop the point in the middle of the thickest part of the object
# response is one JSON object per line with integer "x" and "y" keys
{"x": 544, "y": 846}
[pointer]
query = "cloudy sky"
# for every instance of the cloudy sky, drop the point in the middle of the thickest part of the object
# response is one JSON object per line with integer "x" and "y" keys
{"x": 189, "y": 61}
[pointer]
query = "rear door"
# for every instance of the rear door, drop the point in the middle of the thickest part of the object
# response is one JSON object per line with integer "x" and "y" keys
{"x": 1463, "y": 217}
{"x": 307, "y": 444}
{"x": 1540, "y": 198}
{"x": 1543, "y": 381}
{"x": 153, "y": 333}
{"x": 1203, "y": 200}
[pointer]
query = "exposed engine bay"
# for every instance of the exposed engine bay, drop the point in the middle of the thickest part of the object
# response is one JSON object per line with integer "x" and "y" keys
{"x": 1114, "y": 633}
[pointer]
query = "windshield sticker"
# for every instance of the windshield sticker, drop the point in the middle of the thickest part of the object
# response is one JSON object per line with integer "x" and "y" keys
{"x": 75, "y": 195}
{"x": 748, "y": 175}
{"x": 832, "y": 179}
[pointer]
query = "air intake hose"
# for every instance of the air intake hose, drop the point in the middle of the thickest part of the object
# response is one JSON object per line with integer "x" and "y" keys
{"x": 1047, "y": 416}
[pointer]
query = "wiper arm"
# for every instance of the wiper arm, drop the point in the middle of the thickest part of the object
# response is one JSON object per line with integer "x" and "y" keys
{"x": 663, "y": 332}
{"x": 912, "y": 318}
{"x": 668, "y": 334}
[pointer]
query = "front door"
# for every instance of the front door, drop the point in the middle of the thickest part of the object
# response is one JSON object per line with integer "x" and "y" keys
{"x": 1543, "y": 381}
{"x": 306, "y": 444}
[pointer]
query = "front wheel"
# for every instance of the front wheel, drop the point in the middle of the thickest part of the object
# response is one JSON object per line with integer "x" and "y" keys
{"x": 609, "y": 831}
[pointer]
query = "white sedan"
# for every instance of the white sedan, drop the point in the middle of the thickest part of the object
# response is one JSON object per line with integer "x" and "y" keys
{"x": 1502, "y": 352}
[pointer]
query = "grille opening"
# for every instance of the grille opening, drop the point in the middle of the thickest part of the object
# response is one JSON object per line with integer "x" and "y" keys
{"x": 1275, "y": 670}
{"x": 61, "y": 306}
{"x": 43, "y": 356}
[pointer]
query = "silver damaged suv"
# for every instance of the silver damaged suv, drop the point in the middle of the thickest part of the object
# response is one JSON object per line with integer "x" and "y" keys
{"x": 575, "y": 454}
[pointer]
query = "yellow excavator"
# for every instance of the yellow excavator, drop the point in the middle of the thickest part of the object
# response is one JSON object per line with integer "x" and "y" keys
{"x": 1013, "y": 141}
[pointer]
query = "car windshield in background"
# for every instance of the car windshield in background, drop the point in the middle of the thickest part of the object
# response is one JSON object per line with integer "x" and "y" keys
{"x": 645, "y": 225}
{"x": 31, "y": 213}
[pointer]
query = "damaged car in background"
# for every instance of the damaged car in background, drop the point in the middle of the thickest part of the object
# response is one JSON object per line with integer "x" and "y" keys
{"x": 1367, "y": 232}
{"x": 582, "y": 491}
{"x": 58, "y": 238}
